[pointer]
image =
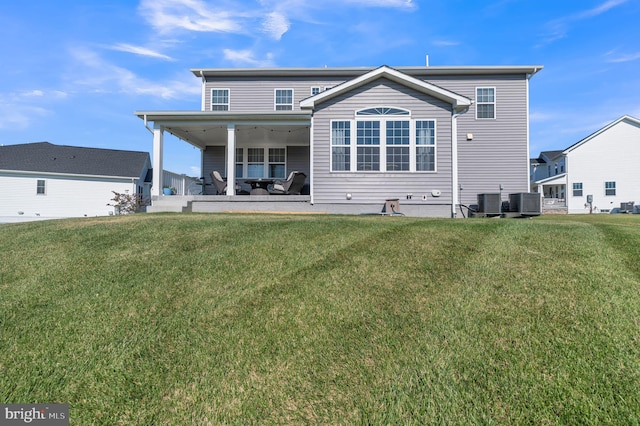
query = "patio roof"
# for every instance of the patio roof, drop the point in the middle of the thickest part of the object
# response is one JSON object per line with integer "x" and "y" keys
{"x": 200, "y": 128}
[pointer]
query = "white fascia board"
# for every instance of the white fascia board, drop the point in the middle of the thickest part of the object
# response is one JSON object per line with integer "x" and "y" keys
{"x": 598, "y": 132}
{"x": 70, "y": 175}
{"x": 561, "y": 178}
{"x": 222, "y": 116}
{"x": 458, "y": 102}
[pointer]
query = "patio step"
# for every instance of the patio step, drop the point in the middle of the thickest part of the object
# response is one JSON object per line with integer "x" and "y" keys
{"x": 173, "y": 203}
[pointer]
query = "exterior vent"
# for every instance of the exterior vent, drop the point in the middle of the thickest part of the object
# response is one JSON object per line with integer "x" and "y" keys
{"x": 489, "y": 204}
{"x": 525, "y": 203}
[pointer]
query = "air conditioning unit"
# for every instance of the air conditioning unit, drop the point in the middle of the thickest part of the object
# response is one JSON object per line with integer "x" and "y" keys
{"x": 626, "y": 207}
{"x": 489, "y": 204}
{"x": 525, "y": 203}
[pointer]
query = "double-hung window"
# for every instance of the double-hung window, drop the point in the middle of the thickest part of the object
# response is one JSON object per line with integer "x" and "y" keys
{"x": 40, "y": 187}
{"x": 485, "y": 102}
{"x": 219, "y": 99}
{"x": 261, "y": 162}
{"x": 610, "y": 188}
{"x": 368, "y": 145}
{"x": 425, "y": 146}
{"x": 577, "y": 189}
{"x": 340, "y": 145}
{"x": 284, "y": 99}
{"x": 398, "y": 136}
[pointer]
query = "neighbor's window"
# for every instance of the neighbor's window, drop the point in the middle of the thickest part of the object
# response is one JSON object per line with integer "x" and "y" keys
{"x": 577, "y": 189}
{"x": 426, "y": 146}
{"x": 609, "y": 188}
{"x": 220, "y": 100}
{"x": 485, "y": 102}
{"x": 340, "y": 145}
{"x": 284, "y": 99}
{"x": 40, "y": 188}
{"x": 368, "y": 145}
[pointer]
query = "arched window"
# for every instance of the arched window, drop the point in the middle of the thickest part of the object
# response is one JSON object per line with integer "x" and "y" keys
{"x": 382, "y": 111}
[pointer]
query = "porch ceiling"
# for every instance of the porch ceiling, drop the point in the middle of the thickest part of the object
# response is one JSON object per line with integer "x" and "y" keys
{"x": 201, "y": 129}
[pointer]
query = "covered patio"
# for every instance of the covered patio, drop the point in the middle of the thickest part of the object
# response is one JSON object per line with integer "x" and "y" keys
{"x": 239, "y": 145}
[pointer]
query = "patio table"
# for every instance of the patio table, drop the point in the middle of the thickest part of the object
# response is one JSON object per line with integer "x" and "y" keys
{"x": 259, "y": 186}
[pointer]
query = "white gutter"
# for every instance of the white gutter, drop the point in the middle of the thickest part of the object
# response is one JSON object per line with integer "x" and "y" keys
{"x": 203, "y": 88}
{"x": 146, "y": 124}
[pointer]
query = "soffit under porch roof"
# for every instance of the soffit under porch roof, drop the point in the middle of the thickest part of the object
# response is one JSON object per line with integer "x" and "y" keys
{"x": 203, "y": 128}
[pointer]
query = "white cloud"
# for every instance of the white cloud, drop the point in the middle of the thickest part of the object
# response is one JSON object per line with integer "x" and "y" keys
{"x": 104, "y": 77}
{"x": 276, "y": 25}
{"x": 16, "y": 114}
{"x": 399, "y": 4}
{"x": 166, "y": 16}
{"x": 623, "y": 58}
{"x": 139, "y": 50}
{"x": 247, "y": 58}
{"x": 558, "y": 28}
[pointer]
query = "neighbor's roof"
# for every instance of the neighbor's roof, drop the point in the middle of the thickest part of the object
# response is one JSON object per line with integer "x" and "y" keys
{"x": 626, "y": 118}
{"x": 46, "y": 157}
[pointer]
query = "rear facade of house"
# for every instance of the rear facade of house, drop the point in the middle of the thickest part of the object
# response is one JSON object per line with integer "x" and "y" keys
{"x": 432, "y": 137}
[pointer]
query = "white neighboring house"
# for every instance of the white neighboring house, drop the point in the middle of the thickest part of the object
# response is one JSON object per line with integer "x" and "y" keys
{"x": 604, "y": 165}
{"x": 56, "y": 181}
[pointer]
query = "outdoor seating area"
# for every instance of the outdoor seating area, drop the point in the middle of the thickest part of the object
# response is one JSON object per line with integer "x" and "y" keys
{"x": 293, "y": 185}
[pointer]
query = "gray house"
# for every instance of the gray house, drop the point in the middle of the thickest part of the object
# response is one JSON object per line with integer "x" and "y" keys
{"x": 430, "y": 137}
{"x": 55, "y": 181}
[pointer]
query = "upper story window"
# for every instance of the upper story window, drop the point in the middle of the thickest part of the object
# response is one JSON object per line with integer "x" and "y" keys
{"x": 609, "y": 188}
{"x": 485, "y": 102}
{"x": 386, "y": 140}
{"x": 577, "y": 189}
{"x": 219, "y": 99}
{"x": 40, "y": 187}
{"x": 284, "y": 99}
{"x": 315, "y": 90}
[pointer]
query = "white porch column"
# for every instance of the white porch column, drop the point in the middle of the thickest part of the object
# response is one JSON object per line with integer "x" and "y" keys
{"x": 158, "y": 137}
{"x": 231, "y": 159}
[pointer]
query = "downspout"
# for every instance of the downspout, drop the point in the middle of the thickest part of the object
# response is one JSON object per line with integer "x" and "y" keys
{"x": 454, "y": 163}
{"x": 146, "y": 124}
{"x": 311, "y": 155}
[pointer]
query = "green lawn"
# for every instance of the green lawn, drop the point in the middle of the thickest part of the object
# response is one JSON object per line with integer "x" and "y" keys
{"x": 274, "y": 319}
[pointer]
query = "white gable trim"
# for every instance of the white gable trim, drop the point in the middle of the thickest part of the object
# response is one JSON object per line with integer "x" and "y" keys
{"x": 458, "y": 102}
{"x": 604, "y": 129}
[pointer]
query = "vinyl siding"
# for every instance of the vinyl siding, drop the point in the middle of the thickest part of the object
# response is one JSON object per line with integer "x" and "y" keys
{"x": 613, "y": 155}
{"x": 498, "y": 153}
{"x": 64, "y": 196}
{"x": 375, "y": 187}
{"x": 259, "y": 95}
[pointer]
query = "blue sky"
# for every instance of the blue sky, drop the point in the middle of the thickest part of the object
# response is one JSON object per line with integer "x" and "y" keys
{"x": 73, "y": 72}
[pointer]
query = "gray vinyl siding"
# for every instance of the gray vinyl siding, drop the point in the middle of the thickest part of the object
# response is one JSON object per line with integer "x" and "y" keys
{"x": 498, "y": 153}
{"x": 258, "y": 95}
{"x": 298, "y": 159}
{"x": 213, "y": 158}
{"x": 375, "y": 187}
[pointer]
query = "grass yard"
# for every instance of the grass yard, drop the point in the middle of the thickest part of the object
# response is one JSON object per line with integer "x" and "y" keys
{"x": 270, "y": 319}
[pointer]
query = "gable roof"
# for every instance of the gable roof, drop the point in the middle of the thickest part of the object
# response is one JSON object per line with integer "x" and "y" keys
{"x": 627, "y": 118}
{"x": 73, "y": 160}
{"x": 458, "y": 102}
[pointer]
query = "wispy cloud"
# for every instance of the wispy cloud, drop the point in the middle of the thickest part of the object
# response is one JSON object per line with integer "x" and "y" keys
{"x": 247, "y": 58}
{"x": 558, "y": 29}
{"x": 166, "y": 16}
{"x": 101, "y": 76}
{"x": 139, "y": 50}
{"x": 275, "y": 25}
{"x": 398, "y": 4}
{"x": 618, "y": 58}
{"x": 18, "y": 110}
{"x": 445, "y": 43}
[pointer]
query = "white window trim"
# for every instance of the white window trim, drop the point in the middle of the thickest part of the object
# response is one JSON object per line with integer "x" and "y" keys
{"x": 315, "y": 87}
{"x": 228, "y": 98}
{"x": 353, "y": 123}
{"x": 615, "y": 188}
{"x": 275, "y": 104}
{"x": 44, "y": 187}
{"x": 265, "y": 171}
{"x": 495, "y": 102}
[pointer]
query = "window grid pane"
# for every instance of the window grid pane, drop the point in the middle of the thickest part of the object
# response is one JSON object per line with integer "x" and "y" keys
{"x": 368, "y": 133}
{"x": 425, "y": 159}
{"x": 341, "y": 158}
{"x": 340, "y": 150}
{"x": 368, "y": 158}
{"x": 219, "y": 100}
{"x": 340, "y": 133}
{"x": 284, "y": 99}
{"x": 425, "y": 132}
{"x": 397, "y": 158}
{"x": 486, "y": 102}
{"x": 577, "y": 189}
{"x": 609, "y": 188}
{"x": 397, "y": 133}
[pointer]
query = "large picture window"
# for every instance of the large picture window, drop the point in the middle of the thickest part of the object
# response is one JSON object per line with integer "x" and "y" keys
{"x": 485, "y": 102}
{"x": 261, "y": 162}
{"x": 386, "y": 140}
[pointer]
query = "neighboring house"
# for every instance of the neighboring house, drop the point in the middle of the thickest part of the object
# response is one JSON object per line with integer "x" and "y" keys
{"x": 432, "y": 137}
{"x": 602, "y": 167}
{"x": 47, "y": 180}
